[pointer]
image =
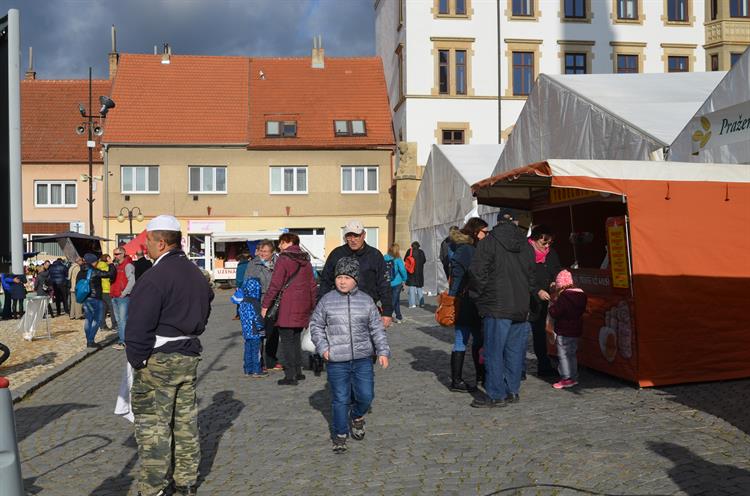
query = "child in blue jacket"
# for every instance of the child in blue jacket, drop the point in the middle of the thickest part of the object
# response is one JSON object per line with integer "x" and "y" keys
{"x": 248, "y": 299}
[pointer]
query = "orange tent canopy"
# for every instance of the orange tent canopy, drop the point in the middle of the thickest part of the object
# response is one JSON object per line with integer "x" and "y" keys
{"x": 689, "y": 228}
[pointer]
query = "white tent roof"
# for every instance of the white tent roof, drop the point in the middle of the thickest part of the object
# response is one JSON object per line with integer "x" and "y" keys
{"x": 732, "y": 91}
{"x": 445, "y": 199}
{"x": 604, "y": 116}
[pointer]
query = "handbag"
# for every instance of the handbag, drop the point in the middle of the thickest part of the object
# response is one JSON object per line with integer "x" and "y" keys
{"x": 306, "y": 341}
{"x": 447, "y": 309}
{"x": 273, "y": 312}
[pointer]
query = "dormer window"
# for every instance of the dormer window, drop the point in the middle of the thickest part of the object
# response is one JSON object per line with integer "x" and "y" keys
{"x": 350, "y": 128}
{"x": 281, "y": 129}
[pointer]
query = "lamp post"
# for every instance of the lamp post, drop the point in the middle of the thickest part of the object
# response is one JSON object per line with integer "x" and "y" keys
{"x": 129, "y": 212}
{"x": 93, "y": 129}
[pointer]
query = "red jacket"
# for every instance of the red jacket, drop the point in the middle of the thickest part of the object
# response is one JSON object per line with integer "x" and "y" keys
{"x": 121, "y": 281}
{"x": 298, "y": 300}
{"x": 568, "y": 312}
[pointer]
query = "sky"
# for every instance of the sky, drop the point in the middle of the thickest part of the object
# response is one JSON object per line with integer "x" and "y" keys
{"x": 68, "y": 36}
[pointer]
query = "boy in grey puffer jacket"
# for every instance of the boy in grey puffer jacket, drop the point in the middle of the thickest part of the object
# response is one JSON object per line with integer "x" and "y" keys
{"x": 347, "y": 330}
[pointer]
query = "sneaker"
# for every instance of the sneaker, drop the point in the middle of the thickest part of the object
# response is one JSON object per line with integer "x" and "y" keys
{"x": 487, "y": 402}
{"x": 358, "y": 429}
{"x": 118, "y": 346}
{"x": 277, "y": 368}
{"x": 339, "y": 443}
{"x": 259, "y": 375}
{"x": 564, "y": 383}
{"x": 513, "y": 398}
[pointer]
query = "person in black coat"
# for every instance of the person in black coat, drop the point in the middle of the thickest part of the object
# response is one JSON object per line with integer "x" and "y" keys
{"x": 141, "y": 264}
{"x": 58, "y": 277}
{"x": 373, "y": 276}
{"x": 447, "y": 249}
{"x": 415, "y": 279}
{"x": 546, "y": 268}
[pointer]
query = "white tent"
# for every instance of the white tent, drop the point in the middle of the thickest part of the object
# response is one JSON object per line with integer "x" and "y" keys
{"x": 604, "y": 116}
{"x": 722, "y": 124}
{"x": 444, "y": 199}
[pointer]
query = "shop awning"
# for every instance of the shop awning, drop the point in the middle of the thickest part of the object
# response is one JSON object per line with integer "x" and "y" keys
{"x": 224, "y": 237}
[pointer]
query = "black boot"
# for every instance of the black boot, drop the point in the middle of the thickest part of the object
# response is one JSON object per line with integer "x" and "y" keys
{"x": 478, "y": 367}
{"x": 457, "y": 364}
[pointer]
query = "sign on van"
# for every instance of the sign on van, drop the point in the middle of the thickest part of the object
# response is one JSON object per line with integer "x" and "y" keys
{"x": 725, "y": 126}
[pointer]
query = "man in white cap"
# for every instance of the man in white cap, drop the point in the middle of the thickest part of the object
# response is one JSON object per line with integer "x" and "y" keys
{"x": 170, "y": 307}
{"x": 373, "y": 275}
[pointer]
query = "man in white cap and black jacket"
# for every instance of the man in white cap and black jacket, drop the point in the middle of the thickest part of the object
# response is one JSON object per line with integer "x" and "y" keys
{"x": 374, "y": 279}
{"x": 169, "y": 308}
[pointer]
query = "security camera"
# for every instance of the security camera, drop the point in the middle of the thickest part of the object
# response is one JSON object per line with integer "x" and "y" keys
{"x": 82, "y": 110}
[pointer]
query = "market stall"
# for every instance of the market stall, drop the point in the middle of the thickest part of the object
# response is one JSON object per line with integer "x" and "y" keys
{"x": 217, "y": 252}
{"x": 654, "y": 245}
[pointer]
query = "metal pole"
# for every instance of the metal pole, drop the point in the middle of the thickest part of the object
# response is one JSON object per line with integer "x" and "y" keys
{"x": 499, "y": 80}
{"x": 130, "y": 219}
{"x": 14, "y": 140}
{"x": 91, "y": 161}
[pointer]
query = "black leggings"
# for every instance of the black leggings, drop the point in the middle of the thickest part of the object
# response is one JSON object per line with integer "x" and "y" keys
{"x": 272, "y": 346}
{"x": 291, "y": 351}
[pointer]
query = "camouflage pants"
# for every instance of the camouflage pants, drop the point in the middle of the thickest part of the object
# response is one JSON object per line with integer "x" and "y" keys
{"x": 166, "y": 414}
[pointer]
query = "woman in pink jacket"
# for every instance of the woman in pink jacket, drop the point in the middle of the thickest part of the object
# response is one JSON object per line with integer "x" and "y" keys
{"x": 293, "y": 278}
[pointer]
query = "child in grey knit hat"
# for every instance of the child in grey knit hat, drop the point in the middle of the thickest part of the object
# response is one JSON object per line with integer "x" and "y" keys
{"x": 347, "y": 331}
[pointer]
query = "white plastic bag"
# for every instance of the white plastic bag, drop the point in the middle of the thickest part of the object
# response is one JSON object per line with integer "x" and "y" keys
{"x": 307, "y": 344}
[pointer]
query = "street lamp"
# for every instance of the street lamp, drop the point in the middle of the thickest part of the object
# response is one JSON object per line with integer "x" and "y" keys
{"x": 129, "y": 212}
{"x": 93, "y": 129}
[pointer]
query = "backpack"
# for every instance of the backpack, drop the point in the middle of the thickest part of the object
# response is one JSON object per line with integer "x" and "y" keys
{"x": 390, "y": 270}
{"x": 83, "y": 288}
{"x": 410, "y": 262}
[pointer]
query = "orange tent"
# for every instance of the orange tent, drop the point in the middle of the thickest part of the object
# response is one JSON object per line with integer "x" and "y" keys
{"x": 670, "y": 307}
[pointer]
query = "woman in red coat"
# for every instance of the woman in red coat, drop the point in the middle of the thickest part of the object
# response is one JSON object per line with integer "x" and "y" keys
{"x": 293, "y": 277}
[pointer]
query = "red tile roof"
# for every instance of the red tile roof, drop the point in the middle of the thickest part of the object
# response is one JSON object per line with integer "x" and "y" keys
{"x": 222, "y": 100}
{"x": 49, "y": 116}
{"x": 346, "y": 89}
{"x": 191, "y": 100}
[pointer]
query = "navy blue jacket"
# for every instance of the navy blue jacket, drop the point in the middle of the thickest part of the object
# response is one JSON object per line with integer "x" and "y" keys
{"x": 58, "y": 273}
{"x": 171, "y": 299}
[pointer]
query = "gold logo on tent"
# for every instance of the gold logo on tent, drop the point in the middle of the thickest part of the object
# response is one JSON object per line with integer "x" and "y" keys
{"x": 702, "y": 137}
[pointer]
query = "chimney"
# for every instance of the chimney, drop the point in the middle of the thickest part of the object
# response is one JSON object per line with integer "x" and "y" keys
{"x": 318, "y": 54}
{"x": 30, "y": 73}
{"x": 114, "y": 57}
{"x": 165, "y": 57}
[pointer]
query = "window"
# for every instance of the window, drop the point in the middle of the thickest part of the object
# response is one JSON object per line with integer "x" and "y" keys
{"x": 208, "y": 179}
{"x": 575, "y": 9}
{"x": 677, "y": 10}
{"x": 359, "y": 179}
{"x": 443, "y": 7}
{"x": 627, "y": 9}
{"x": 289, "y": 180}
{"x": 55, "y": 193}
{"x": 461, "y": 72}
{"x": 734, "y": 58}
{"x": 452, "y": 137}
{"x": 523, "y": 8}
{"x": 678, "y": 64}
{"x": 51, "y": 248}
{"x": 627, "y": 64}
{"x": 460, "y": 7}
{"x": 349, "y": 128}
{"x": 714, "y": 9}
{"x": 452, "y": 8}
{"x": 575, "y": 63}
{"x": 523, "y": 73}
{"x": 739, "y": 8}
{"x": 400, "y": 56}
{"x": 444, "y": 71}
{"x": 715, "y": 62}
{"x": 282, "y": 129}
{"x": 140, "y": 179}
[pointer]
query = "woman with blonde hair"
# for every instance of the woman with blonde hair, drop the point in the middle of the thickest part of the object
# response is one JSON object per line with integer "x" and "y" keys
{"x": 396, "y": 272}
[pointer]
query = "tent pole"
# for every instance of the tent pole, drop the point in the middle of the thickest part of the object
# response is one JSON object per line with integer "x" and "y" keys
{"x": 573, "y": 230}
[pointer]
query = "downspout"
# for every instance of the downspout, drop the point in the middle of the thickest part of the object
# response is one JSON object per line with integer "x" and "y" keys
{"x": 499, "y": 80}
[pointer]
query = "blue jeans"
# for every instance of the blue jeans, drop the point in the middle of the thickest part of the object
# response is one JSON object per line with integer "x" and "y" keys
{"x": 396, "y": 297}
{"x": 352, "y": 390}
{"x": 504, "y": 349}
{"x": 120, "y": 309}
{"x": 463, "y": 332}
{"x": 93, "y": 311}
{"x": 416, "y": 296}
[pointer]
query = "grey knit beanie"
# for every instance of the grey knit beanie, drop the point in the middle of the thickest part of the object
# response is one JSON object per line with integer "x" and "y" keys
{"x": 348, "y": 266}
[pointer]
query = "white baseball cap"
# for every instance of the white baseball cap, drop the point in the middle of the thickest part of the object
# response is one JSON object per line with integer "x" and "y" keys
{"x": 354, "y": 226}
{"x": 163, "y": 223}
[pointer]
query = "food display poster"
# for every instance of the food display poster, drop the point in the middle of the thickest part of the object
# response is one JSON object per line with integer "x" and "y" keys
{"x": 608, "y": 343}
{"x": 617, "y": 246}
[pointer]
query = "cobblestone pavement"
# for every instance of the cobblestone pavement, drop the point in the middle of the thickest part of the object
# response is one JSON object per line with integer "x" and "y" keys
{"x": 31, "y": 359}
{"x": 605, "y": 437}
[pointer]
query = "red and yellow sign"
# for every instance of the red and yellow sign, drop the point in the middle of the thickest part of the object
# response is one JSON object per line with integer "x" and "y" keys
{"x": 560, "y": 195}
{"x": 618, "y": 252}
